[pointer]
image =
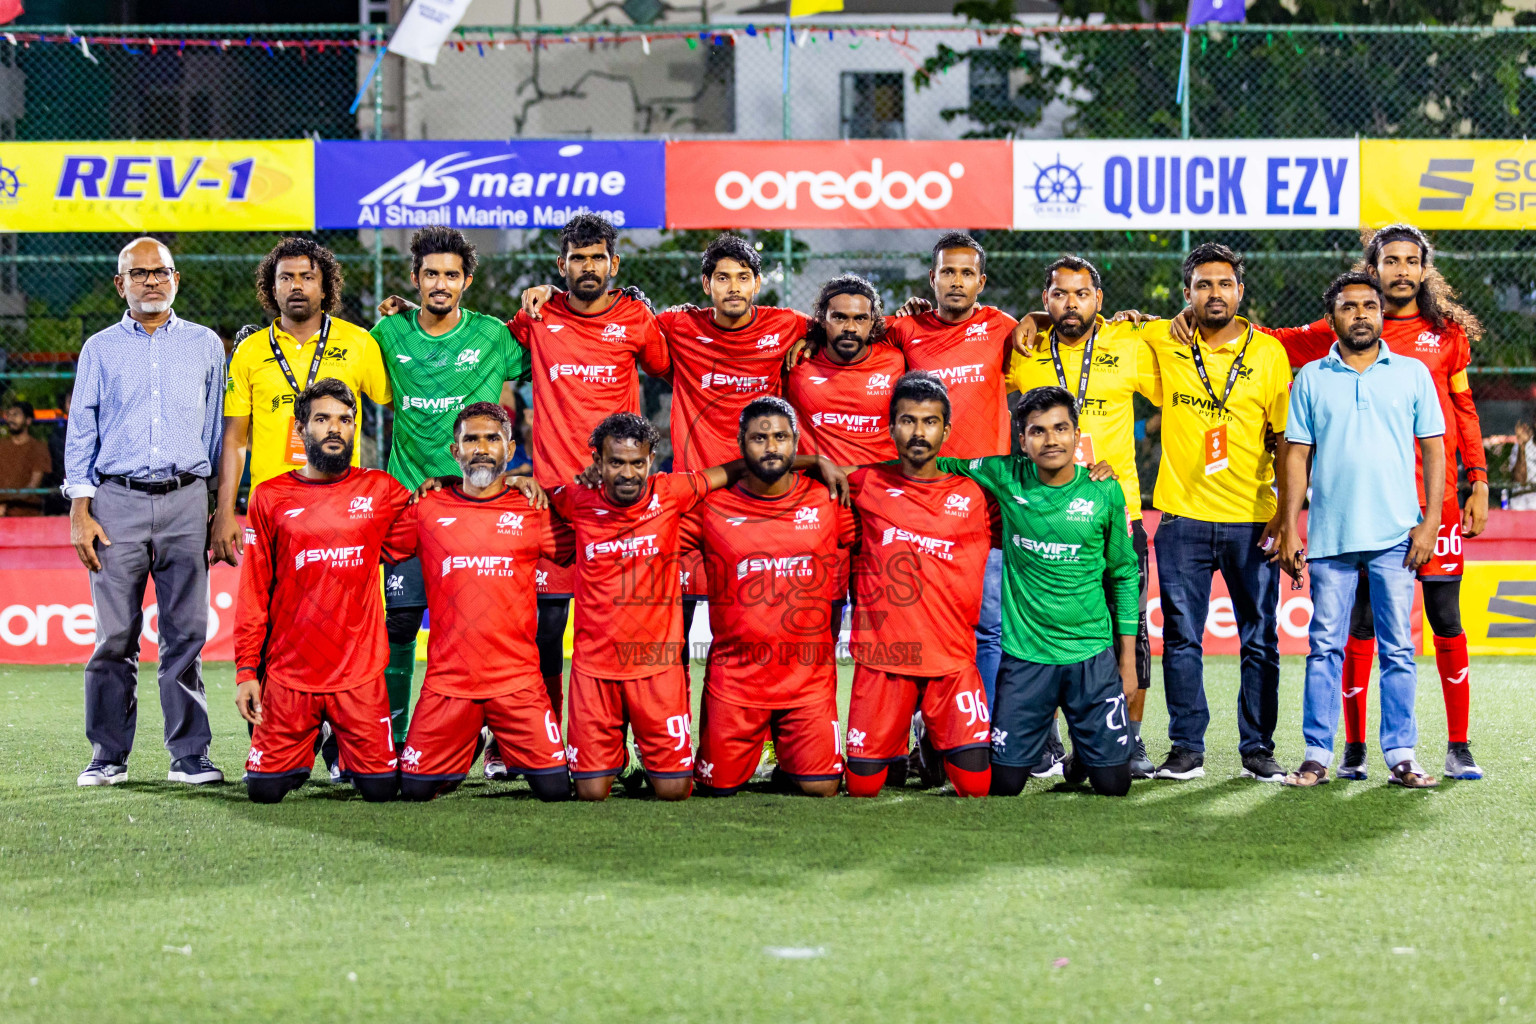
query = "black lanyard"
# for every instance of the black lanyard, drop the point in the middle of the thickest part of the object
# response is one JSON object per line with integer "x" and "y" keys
{"x": 314, "y": 364}
{"x": 1082, "y": 377}
{"x": 1237, "y": 365}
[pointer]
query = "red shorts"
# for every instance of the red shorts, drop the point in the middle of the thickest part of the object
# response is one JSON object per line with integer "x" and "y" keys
{"x": 655, "y": 707}
{"x": 441, "y": 743}
{"x": 284, "y": 742}
{"x": 1447, "y": 561}
{"x": 954, "y": 710}
{"x": 807, "y": 741}
{"x": 554, "y": 580}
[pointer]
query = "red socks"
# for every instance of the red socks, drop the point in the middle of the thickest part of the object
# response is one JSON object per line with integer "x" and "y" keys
{"x": 1358, "y": 655}
{"x": 968, "y": 783}
{"x": 865, "y": 785}
{"x": 552, "y": 686}
{"x": 1451, "y": 660}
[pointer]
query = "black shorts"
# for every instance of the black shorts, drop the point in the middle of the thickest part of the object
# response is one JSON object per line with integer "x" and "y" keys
{"x": 1143, "y": 637}
{"x": 404, "y": 586}
{"x": 1090, "y": 697}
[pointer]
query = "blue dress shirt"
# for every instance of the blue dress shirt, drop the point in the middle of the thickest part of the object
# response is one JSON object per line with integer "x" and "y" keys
{"x": 145, "y": 406}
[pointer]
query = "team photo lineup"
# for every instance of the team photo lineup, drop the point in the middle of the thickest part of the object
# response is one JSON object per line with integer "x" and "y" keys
{"x": 847, "y": 463}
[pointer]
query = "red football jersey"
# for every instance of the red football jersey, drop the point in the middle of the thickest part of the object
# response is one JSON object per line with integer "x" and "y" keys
{"x": 917, "y": 573}
{"x": 477, "y": 559}
{"x": 716, "y": 372}
{"x": 845, "y": 410}
{"x": 584, "y": 369}
{"x": 774, "y": 568}
{"x": 1447, "y": 353}
{"x": 629, "y": 601}
{"x": 969, "y": 358}
{"x": 310, "y": 611}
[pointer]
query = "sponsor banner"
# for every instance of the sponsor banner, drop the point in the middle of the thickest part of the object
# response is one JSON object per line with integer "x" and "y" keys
{"x": 157, "y": 186}
{"x": 864, "y": 183}
{"x": 1139, "y": 184}
{"x": 1438, "y": 184}
{"x": 487, "y": 184}
{"x": 1498, "y": 607}
{"x": 46, "y": 617}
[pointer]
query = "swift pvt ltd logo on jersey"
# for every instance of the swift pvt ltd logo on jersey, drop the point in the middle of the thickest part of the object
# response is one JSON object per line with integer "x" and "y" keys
{"x": 336, "y": 558}
{"x": 592, "y": 372}
{"x": 1055, "y": 550}
{"x": 969, "y": 373}
{"x": 927, "y": 545}
{"x": 361, "y": 507}
{"x": 788, "y": 565}
{"x": 445, "y": 404}
{"x": 851, "y": 422}
{"x": 731, "y": 380}
{"x": 482, "y": 565}
{"x": 624, "y": 547}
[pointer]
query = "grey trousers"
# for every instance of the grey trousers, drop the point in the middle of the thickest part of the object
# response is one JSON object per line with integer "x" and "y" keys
{"x": 165, "y": 537}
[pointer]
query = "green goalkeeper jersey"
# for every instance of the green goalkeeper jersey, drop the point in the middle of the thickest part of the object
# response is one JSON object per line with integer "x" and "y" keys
{"x": 1059, "y": 543}
{"x": 433, "y": 377}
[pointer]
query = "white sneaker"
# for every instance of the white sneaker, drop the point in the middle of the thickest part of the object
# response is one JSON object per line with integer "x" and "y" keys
{"x": 102, "y": 773}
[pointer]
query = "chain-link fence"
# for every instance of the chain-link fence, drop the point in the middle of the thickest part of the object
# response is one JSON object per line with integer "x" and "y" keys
{"x": 838, "y": 79}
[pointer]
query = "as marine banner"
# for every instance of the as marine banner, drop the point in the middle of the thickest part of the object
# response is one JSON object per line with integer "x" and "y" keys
{"x": 206, "y": 185}
{"x": 1440, "y": 184}
{"x": 479, "y": 184}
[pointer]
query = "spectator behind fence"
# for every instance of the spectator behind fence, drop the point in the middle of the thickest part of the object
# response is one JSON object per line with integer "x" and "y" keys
{"x": 143, "y": 440}
{"x": 1522, "y": 466}
{"x": 24, "y": 461}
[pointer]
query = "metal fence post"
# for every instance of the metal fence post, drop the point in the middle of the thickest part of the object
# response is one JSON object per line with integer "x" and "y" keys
{"x": 1189, "y": 87}
{"x": 378, "y": 237}
{"x": 786, "y": 133}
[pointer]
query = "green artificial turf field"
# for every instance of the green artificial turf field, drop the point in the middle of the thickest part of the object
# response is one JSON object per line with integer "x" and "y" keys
{"x": 1216, "y": 900}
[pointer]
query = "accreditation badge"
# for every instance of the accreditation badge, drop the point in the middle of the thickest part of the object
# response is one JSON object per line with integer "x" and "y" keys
{"x": 1216, "y": 449}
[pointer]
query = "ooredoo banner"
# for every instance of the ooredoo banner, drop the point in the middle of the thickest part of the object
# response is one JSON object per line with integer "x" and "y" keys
{"x": 516, "y": 184}
{"x": 1139, "y": 184}
{"x": 865, "y": 183}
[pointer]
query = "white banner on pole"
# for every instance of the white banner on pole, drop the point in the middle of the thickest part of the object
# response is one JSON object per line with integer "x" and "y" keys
{"x": 425, "y": 27}
{"x": 1156, "y": 184}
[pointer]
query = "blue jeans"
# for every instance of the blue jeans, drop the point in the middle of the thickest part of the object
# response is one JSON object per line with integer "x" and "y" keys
{"x": 1334, "y": 581}
{"x": 989, "y": 627}
{"x": 1189, "y": 551}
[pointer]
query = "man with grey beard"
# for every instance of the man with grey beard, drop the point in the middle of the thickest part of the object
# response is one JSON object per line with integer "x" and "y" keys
{"x": 143, "y": 440}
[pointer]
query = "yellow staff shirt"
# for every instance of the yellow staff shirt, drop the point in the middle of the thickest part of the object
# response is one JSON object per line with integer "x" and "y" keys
{"x": 258, "y": 388}
{"x": 1122, "y": 365}
{"x": 1190, "y": 482}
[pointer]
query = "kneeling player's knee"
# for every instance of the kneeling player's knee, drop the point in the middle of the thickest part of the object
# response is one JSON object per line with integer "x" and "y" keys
{"x": 973, "y": 759}
{"x": 402, "y": 625}
{"x": 419, "y": 790}
{"x": 1112, "y": 781}
{"x": 377, "y": 790}
{"x": 551, "y": 787}
{"x": 1008, "y": 780}
{"x": 272, "y": 791}
{"x": 672, "y": 789}
{"x": 819, "y": 787}
{"x": 865, "y": 779}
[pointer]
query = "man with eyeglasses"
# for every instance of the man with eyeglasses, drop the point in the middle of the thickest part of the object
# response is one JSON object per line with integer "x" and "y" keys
{"x": 143, "y": 440}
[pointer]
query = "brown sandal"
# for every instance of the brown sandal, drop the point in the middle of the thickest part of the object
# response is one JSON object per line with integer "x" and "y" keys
{"x": 1309, "y": 773}
{"x": 1409, "y": 775}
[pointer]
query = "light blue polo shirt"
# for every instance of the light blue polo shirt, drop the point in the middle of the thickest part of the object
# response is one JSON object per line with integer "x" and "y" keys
{"x": 1362, "y": 427}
